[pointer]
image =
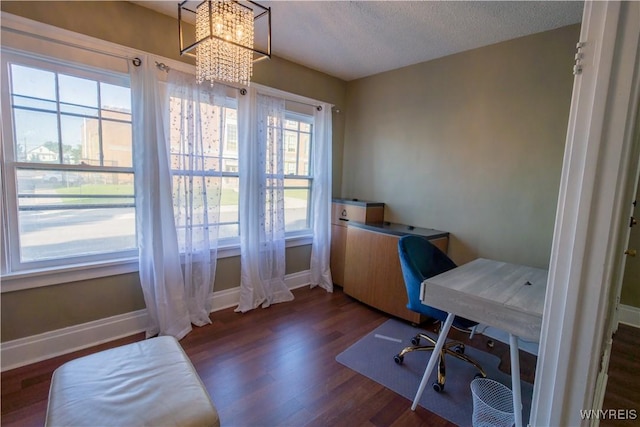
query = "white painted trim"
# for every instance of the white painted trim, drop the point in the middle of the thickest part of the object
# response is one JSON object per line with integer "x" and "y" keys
{"x": 231, "y": 297}
{"x": 629, "y": 315}
{"x": 54, "y": 276}
{"x": 586, "y": 240}
{"x": 36, "y": 348}
{"x": 24, "y": 351}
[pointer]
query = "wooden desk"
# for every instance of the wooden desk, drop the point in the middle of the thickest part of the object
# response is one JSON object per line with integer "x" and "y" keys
{"x": 507, "y": 296}
{"x": 373, "y": 274}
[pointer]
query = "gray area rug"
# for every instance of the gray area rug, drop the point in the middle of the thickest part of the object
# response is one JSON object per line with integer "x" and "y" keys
{"x": 372, "y": 356}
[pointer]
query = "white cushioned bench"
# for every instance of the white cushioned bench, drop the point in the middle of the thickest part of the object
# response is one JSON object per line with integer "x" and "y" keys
{"x": 147, "y": 383}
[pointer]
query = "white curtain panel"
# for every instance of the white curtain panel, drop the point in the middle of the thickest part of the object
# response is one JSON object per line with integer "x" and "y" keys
{"x": 159, "y": 258}
{"x": 195, "y": 131}
{"x": 321, "y": 198}
{"x": 262, "y": 234}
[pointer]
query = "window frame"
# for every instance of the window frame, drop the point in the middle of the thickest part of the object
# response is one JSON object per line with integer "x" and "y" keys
{"x": 12, "y": 265}
{"x": 308, "y": 119}
{"x": 232, "y": 241}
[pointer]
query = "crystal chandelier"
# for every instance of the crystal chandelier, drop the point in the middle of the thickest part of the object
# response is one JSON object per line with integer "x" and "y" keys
{"x": 224, "y": 39}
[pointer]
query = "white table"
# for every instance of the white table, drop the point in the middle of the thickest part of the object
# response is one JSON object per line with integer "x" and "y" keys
{"x": 506, "y": 296}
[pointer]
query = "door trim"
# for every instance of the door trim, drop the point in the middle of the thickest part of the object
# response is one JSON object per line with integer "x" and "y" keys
{"x": 586, "y": 235}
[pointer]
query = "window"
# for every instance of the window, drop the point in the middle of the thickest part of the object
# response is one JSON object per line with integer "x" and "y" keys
{"x": 68, "y": 166}
{"x": 220, "y": 158}
{"x": 298, "y": 179}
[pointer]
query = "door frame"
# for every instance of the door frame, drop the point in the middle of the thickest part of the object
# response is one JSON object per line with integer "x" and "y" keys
{"x": 586, "y": 244}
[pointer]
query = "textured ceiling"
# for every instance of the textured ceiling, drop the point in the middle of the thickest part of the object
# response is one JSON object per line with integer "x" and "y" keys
{"x": 353, "y": 39}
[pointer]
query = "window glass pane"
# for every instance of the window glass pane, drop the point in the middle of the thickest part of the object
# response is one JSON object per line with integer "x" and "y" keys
{"x": 228, "y": 230}
{"x": 209, "y": 163}
{"x": 79, "y": 140}
{"x": 231, "y": 133}
{"x": 230, "y": 165}
{"x": 63, "y": 187}
{"x": 34, "y": 103}
{"x": 63, "y": 213}
{"x": 291, "y": 124}
{"x": 290, "y": 168}
{"x": 36, "y": 136}
{"x": 185, "y": 162}
{"x": 305, "y": 127}
{"x": 78, "y": 91}
{"x": 229, "y": 203}
{"x": 296, "y": 208}
{"x": 304, "y": 154}
{"x": 33, "y": 82}
{"x": 117, "y": 143}
{"x": 115, "y": 98}
{"x": 290, "y": 142}
{"x": 79, "y": 110}
{"x": 49, "y": 234}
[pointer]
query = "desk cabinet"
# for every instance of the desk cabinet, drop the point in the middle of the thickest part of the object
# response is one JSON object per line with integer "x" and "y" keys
{"x": 372, "y": 272}
{"x": 342, "y": 212}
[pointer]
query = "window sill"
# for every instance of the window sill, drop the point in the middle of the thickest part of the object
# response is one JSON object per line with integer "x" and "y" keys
{"x": 54, "y": 276}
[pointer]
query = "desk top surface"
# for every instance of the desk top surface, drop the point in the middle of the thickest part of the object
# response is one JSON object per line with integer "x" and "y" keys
{"x": 503, "y": 295}
{"x": 399, "y": 229}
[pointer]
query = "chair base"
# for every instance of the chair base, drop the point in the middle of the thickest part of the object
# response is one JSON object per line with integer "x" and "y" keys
{"x": 453, "y": 348}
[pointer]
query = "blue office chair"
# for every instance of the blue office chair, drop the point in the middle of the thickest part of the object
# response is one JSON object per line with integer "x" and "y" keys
{"x": 420, "y": 259}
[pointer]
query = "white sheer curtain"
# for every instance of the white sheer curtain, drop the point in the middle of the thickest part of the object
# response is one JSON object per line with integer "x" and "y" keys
{"x": 262, "y": 234}
{"x": 195, "y": 135}
{"x": 159, "y": 258}
{"x": 321, "y": 198}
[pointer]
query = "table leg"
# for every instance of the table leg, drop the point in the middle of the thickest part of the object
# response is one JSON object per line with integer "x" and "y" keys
{"x": 515, "y": 379}
{"x": 442, "y": 337}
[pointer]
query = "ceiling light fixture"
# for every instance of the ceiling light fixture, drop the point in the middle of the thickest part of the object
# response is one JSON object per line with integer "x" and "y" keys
{"x": 225, "y": 38}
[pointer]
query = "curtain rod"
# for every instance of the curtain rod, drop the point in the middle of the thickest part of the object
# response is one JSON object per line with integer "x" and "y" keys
{"x": 164, "y": 67}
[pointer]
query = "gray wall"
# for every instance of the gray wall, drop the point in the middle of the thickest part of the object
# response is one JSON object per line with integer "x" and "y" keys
{"x": 630, "y": 294}
{"x": 471, "y": 144}
{"x": 34, "y": 311}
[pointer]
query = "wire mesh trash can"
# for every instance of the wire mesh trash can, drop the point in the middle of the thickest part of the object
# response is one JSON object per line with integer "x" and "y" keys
{"x": 492, "y": 404}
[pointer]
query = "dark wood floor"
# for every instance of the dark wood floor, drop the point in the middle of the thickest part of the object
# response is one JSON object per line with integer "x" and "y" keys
{"x": 271, "y": 367}
{"x": 623, "y": 385}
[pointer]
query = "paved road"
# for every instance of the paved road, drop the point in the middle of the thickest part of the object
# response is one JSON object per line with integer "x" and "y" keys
{"x": 64, "y": 233}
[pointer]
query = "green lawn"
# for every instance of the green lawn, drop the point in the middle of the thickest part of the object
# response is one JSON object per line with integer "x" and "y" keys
{"x": 121, "y": 192}
{"x": 99, "y": 189}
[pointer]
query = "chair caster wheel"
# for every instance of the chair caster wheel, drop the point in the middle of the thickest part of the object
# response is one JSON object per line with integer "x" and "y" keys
{"x": 459, "y": 349}
{"x": 398, "y": 359}
{"x": 415, "y": 341}
{"x": 438, "y": 387}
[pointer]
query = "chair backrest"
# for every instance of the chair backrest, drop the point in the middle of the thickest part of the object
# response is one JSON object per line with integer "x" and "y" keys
{"x": 420, "y": 259}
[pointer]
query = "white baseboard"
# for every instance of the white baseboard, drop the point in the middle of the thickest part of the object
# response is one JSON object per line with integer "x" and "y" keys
{"x": 36, "y": 348}
{"x": 629, "y": 315}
